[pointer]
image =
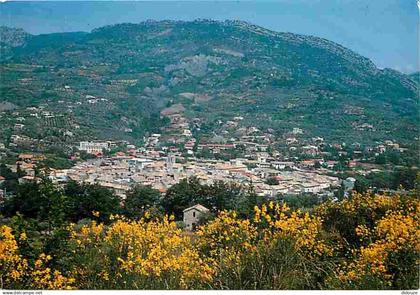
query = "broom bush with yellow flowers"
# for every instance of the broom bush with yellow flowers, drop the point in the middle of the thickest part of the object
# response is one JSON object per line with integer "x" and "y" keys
{"x": 276, "y": 249}
{"x": 13, "y": 266}
{"x": 382, "y": 241}
{"x": 143, "y": 254}
{"x": 18, "y": 272}
{"x": 365, "y": 242}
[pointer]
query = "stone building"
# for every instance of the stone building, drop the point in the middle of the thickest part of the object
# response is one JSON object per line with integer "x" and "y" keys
{"x": 193, "y": 214}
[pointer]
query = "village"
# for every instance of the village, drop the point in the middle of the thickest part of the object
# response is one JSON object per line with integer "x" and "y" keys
{"x": 292, "y": 163}
{"x": 119, "y": 173}
{"x": 160, "y": 167}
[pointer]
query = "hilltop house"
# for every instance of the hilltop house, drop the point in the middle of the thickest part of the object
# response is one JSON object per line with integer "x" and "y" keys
{"x": 193, "y": 214}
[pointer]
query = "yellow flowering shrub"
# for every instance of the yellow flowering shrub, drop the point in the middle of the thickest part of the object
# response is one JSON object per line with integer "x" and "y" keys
{"x": 13, "y": 266}
{"x": 250, "y": 252}
{"x": 227, "y": 233}
{"x": 278, "y": 221}
{"x": 360, "y": 212}
{"x": 394, "y": 235}
{"x": 16, "y": 272}
{"x": 226, "y": 241}
{"x": 365, "y": 242}
{"x": 45, "y": 278}
{"x": 140, "y": 254}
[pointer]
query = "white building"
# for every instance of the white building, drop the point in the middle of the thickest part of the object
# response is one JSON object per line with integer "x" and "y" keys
{"x": 349, "y": 183}
{"x": 187, "y": 132}
{"x": 193, "y": 214}
{"x": 297, "y": 131}
{"x": 93, "y": 147}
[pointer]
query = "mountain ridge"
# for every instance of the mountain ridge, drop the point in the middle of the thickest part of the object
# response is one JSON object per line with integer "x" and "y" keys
{"x": 244, "y": 24}
{"x": 228, "y": 68}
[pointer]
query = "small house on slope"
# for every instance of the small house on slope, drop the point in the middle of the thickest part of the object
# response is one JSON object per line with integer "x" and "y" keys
{"x": 193, "y": 214}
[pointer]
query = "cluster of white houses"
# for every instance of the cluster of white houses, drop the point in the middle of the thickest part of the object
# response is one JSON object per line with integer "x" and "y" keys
{"x": 120, "y": 173}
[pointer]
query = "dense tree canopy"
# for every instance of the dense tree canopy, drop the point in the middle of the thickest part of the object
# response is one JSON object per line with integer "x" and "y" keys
{"x": 84, "y": 199}
{"x": 141, "y": 199}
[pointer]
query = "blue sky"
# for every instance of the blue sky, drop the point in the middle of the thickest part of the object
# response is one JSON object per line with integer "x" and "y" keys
{"x": 386, "y": 31}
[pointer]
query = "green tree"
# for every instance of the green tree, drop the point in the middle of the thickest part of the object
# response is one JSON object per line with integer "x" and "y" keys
{"x": 362, "y": 184}
{"x": 250, "y": 199}
{"x": 141, "y": 199}
{"x": 221, "y": 195}
{"x": 84, "y": 199}
{"x": 272, "y": 181}
{"x": 11, "y": 178}
{"x": 380, "y": 159}
{"x": 42, "y": 201}
{"x": 182, "y": 195}
{"x": 217, "y": 196}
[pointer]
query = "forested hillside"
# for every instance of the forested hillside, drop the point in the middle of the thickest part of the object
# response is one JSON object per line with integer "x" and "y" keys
{"x": 120, "y": 77}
